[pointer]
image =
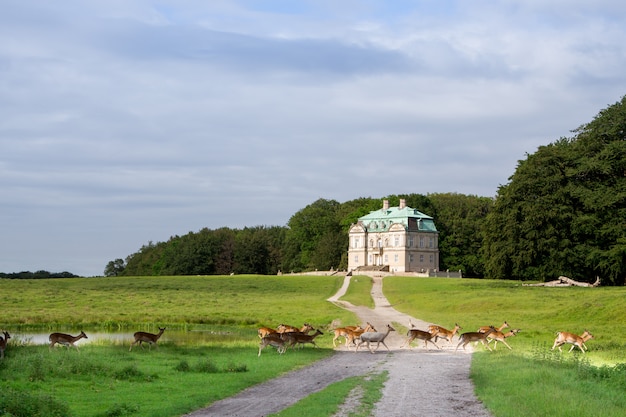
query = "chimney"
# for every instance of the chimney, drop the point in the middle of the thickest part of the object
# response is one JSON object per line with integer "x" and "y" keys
{"x": 402, "y": 203}
{"x": 385, "y": 204}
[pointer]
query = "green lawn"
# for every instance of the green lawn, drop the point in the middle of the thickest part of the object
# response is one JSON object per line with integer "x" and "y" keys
{"x": 105, "y": 379}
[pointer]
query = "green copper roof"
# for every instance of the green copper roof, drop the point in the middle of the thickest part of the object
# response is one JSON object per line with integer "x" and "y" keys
{"x": 381, "y": 220}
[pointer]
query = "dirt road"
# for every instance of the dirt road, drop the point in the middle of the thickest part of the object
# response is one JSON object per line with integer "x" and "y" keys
{"x": 425, "y": 383}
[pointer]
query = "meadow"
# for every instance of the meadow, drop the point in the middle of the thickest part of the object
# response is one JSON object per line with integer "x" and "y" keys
{"x": 105, "y": 379}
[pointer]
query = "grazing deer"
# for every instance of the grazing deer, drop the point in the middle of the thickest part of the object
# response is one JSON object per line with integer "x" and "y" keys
{"x": 475, "y": 337}
{"x": 439, "y": 332}
{"x": 3, "y": 343}
{"x": 149, "y": 338}
{"x": 499, "y": 337}
{"x": 573, "y": 339}
{"x": 297, "y": 338}
{"x": 272, "y": 339}
{"x": 371, "y": 337}
{"x": 65, "y": 339}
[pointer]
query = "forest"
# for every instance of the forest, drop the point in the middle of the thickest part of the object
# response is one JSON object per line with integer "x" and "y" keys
{"x": 562, "y": 212}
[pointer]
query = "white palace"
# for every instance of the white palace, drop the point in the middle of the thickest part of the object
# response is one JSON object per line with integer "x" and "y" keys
{"x": 394, "y": 239}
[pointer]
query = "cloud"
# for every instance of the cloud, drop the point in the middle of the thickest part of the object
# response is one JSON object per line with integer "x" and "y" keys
{"x": 130, "y": 122}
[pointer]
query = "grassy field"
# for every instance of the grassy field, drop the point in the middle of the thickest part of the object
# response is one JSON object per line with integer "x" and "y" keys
{"x": 105, "y": 379}
{"x": 531, "y": 379}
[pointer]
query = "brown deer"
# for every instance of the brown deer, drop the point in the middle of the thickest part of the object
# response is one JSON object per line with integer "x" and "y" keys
{"x": 65, "y": 339}
{"x": 3, "y": 343}
{"x": 499, "y": 337}
{"x": 298, "y": 338}
{"x": 483, "y": 329}
{"x": 149, "y": 338}
{"x": 470, "y": 337}
{"x": 265, "y": 331}
{"x": 272, "y": 339}
{"x": 439, "y": 332}
{"x": 285, "y": 328}
{"x": 573, "y": 339}
{"x": 352, "y": 333}
{"x": 421, "y": 335}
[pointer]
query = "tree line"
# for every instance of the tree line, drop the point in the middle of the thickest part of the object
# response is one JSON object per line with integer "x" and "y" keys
{"x": 37, "y": 275}
{"x": 315, "y": 238}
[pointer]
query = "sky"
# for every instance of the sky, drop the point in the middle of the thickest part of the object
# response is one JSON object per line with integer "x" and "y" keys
{"x": 125, "y": 122}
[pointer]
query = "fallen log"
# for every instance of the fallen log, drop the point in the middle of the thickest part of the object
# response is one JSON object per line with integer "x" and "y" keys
{"x": 564, "y": 281}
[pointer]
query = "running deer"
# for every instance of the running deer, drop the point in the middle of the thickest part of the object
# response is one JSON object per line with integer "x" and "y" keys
{"x": 344, "y": 332}
{"x": 149, "y": 338}
{"x": 570, "y": 338}
{"x": 421, "y": 335}
{"x": 439, "y": 332}
{"x": 3, "y": 343}
{"x": 352, "y": 333}
{"x": 265, "y": 331}
{"x": 65, "y": 339}
{"x": 499, "y": 337}
{"x": 285, "y": 328}
{"x": 371, "y": 337}
{"x": 274, "y": 340}
{"x": 470, "y": 337}
{"x": 297, "y": 338}
{"x": 483, "y": 329}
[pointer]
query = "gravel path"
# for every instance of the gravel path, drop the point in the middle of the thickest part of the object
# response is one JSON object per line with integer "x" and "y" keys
{"x": 425, "y": 383}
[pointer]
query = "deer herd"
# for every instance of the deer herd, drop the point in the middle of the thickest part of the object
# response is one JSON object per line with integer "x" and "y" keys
{"x": 285, "y": 336}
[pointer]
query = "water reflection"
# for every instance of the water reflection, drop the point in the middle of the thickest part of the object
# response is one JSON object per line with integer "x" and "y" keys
{"x": 176, "y": 336}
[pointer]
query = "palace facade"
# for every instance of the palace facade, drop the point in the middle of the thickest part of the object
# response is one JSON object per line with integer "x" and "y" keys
{"x": 394, "y": 239}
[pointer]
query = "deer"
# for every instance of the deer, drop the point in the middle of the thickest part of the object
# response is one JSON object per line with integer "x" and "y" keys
{"x": 421, "y": 335}
{"x": 3, "y": 343}
{"x": 351, "y": 333}
{"x": 297, "y": 338}
{"x": 470, "y": 337}
{"x": 149, "y": 338}
{"x": 265, "y": 331}
{"x": 499, "y": 337}
{"x": 66, "y": 340}
{"x": 343, "y": 332}
{"x": 354, "y": 335}
{"x": 272, "y": 339}
{"x": 483, "y": 329}
{"x": 573, "y": 339}
{"x": 439, "y": 332}
{"x": 285, "y": 328}
{"x": 371, "y": 337}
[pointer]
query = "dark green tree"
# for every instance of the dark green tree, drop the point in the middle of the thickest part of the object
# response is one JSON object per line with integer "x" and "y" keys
{"x": 460, "y": 221}
{"x": 313, "y": 238}
{"x": 563, "y": 211}
{"x": 114, "y": 268}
